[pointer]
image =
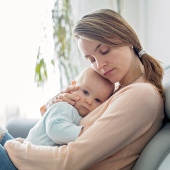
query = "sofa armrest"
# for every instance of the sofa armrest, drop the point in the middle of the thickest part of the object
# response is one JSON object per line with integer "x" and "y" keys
{"x": 19, "y": 127}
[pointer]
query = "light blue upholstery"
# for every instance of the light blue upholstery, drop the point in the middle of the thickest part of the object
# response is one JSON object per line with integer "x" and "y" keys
{"x": 156, "y": 155}
{"x": 19, "y": 127}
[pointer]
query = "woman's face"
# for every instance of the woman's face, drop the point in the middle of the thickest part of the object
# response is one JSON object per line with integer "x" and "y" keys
{"x": 112, "y": 63}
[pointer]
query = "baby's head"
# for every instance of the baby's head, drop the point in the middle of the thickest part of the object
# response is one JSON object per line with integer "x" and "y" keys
{"x": 93, "y": 91}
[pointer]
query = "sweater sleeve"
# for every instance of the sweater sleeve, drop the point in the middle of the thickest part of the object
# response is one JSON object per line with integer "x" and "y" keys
{"x": 128, "y": 116}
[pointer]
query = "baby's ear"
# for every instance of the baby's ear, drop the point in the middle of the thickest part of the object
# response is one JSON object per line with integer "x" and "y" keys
{"x": 73, "y": 83}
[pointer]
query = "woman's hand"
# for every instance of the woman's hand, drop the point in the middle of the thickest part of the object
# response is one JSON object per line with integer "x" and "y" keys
{"x": 64, "y": 96}
{"x": 67, "y": 95}
{"x": 21, "y": 140}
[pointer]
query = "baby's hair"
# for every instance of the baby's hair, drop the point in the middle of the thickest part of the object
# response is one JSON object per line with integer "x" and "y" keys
{"x": 89, "y": 70}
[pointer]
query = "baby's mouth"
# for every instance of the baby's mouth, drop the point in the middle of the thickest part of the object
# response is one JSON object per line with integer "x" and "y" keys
{"x": 85, "y": 108}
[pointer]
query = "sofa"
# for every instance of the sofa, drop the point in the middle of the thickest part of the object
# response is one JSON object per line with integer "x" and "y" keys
{"x": 155, "y": 156}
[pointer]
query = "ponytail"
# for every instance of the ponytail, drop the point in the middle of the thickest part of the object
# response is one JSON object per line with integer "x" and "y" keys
{"x": 154, "y": 72}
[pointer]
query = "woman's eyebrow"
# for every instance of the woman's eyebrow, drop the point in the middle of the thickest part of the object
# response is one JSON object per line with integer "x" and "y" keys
{"x": 97, "y": 47}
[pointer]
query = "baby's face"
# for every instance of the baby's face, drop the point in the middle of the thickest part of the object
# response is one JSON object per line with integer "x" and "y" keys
{"x": 92, "y": 92}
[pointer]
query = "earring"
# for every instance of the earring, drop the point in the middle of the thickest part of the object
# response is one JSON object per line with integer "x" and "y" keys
{"x": 131, "y": 47}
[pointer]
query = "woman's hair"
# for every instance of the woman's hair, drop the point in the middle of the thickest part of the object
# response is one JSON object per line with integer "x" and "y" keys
{"x": 108, "y": 27}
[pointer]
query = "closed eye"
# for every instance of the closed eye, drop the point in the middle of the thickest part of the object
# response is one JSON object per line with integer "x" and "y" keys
{"x": 105, "y": 52}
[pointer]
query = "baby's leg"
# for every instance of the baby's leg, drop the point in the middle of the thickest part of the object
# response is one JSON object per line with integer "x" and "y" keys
{"x": 5, "y": 162}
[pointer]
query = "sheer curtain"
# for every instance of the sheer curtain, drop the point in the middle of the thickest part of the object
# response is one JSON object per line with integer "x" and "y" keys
{"x": 22, "y": 25}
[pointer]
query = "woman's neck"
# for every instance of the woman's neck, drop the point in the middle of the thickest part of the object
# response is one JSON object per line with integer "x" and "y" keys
{"x": 136, "y": 71}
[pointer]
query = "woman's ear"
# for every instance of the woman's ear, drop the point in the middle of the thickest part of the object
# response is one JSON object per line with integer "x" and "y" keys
{"x": 73, "y": 83}
{"x": 130, "y": 45}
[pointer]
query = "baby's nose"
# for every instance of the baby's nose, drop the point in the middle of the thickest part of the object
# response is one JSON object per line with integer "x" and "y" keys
{"x": 89, "y": 101}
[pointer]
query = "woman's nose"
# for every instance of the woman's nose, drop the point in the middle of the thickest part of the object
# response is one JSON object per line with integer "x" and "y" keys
{"x": 100, "y": 63}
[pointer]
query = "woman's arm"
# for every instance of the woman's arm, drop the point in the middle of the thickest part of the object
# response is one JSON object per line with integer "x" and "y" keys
{"x": 123, "y": 119}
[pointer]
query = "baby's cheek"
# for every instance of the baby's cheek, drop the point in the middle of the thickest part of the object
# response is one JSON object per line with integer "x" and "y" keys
{"x": 96, "y": 105}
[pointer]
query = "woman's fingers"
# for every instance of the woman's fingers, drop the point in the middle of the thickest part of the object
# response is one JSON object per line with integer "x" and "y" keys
{"x": 65, "y": 96}
{"x": 21, "y": 140}
{"x": 56, "y": 100}
{"x": 71, "y": 89}
{"x": 69, "y": 98}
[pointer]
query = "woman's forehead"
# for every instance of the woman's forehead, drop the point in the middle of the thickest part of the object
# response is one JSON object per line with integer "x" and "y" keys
{"x": 90, "y": 44}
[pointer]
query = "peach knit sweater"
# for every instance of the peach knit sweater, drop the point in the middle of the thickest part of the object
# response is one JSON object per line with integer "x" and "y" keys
{"x": 114, "y": 135}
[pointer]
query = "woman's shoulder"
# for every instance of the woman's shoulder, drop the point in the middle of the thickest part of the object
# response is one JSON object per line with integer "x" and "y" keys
{"x": 144, "y": 91}
{"x": 138, "y": 96}
{"x": 144, "y": 88}
{"x": 141, "y": 87}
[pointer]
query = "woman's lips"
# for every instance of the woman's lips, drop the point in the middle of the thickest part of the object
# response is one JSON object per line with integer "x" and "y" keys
{"x": 108, "y": 72}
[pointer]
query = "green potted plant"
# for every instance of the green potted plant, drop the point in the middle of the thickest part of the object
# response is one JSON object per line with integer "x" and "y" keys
{"x": 63, "y": 43}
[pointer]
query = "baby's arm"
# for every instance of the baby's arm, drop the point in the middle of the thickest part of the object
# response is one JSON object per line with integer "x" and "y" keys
{"x": 62, "y": 123}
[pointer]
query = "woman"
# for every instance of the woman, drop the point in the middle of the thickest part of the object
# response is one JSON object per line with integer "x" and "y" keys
{"x": 116, "y": 132}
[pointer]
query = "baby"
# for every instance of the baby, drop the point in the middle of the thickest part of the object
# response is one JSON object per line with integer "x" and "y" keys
{"x": 59, "y": 125}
